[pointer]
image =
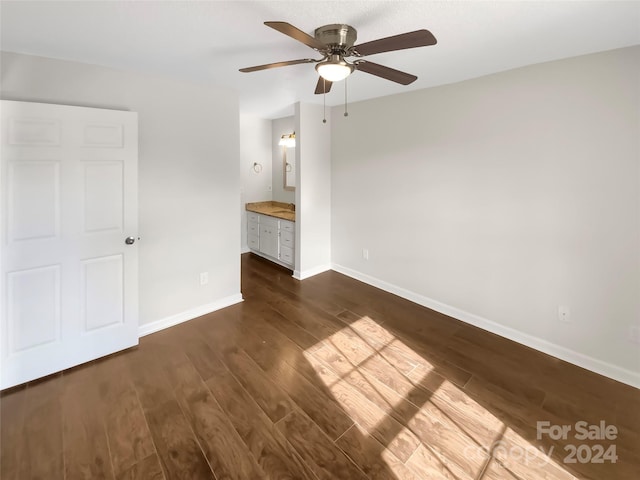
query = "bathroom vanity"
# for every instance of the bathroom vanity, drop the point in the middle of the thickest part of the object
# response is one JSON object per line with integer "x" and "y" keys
{"x": 271, "y": 231}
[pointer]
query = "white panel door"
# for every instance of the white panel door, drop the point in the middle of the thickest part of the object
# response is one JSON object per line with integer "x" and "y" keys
{"x": 69, "y": 283}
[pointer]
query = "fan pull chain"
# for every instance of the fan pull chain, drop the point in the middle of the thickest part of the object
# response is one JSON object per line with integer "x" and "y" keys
{"x": 324, "y": 100}
{"x": 346, "y": 114}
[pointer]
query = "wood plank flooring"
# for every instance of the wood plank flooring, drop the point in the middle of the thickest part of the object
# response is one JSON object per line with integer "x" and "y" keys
{"x": 323, "y": 379}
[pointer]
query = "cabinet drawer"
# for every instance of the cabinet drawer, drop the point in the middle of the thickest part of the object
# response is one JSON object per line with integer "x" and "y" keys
{"x": 253, "y": 228}
{"x": 254, "y": 242}
{"x": 286, "y": 238}
{"x": 287, "y": 226}
{"x": 286, "y": 255}
{"x": 253, "y": 217}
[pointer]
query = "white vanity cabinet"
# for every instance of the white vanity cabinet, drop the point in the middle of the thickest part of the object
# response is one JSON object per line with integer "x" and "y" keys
{"x": 272, "y": 238}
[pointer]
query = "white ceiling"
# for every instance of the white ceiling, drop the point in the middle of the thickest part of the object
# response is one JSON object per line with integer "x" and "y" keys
{"x": 208, "y": 41}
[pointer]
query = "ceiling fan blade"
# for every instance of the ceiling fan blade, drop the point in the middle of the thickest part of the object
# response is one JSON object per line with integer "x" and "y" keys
{"x": 277, "y": 64}
{"x": 385, "y": 72}
{"x": 419, "y": 38}
{"x": 296, "y": 34}
{"x": 323, "y": 86}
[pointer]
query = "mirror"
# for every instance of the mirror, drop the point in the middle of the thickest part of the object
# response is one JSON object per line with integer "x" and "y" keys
{"x": 289, "y": 167}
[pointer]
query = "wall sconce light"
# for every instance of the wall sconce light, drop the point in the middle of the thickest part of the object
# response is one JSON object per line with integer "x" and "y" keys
{"x": 257, "y": 167}
{"x": 288, "y": 140}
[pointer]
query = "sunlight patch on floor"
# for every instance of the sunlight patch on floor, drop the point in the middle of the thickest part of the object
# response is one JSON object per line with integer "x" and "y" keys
{"x": 357, "y": 362}
{"x": 376, "y": 378}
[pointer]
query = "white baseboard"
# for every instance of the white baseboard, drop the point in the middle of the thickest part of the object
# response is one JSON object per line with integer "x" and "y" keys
{"x": 244, "y": 249}
{"x": 598, "y": 366}
{"x": 301, "y": 275}
{"x": 167, "y": 322}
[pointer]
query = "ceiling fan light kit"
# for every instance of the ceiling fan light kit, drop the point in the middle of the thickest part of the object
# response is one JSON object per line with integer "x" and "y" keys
{"x": 334, "y": 69}
{"x": 336, "y": 41}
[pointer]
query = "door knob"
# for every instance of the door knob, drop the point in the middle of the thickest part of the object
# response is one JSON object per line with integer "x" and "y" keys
{"x": 130, "y": 240}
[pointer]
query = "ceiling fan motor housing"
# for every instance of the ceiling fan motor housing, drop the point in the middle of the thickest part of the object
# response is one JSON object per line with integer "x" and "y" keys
{"x": 338, "y": 37}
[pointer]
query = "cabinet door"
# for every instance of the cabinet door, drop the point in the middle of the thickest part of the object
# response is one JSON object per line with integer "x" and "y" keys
{"x": 269, "y": 239}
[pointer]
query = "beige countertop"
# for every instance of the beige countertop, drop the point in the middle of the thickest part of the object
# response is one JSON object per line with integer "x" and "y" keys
{"x": 285, "y": 211}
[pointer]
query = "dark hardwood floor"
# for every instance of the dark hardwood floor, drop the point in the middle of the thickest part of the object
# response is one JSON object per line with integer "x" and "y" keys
{"x": 322, "y": 379}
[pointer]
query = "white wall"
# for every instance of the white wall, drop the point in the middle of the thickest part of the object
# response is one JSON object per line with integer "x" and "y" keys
{"x": 255, "y": 146}
{"x": 313, "y": 191}
{"x": 189, "y": 181}
{"x": 498, "y": 199}
{"x": 280, "y": 126}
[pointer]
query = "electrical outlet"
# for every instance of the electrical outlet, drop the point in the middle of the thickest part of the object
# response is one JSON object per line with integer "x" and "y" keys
{"x": 634, "y": 334}
{"x": 365, "y": 253}
{"x": 564, "y": 314}
{"x": 204, "y": 278}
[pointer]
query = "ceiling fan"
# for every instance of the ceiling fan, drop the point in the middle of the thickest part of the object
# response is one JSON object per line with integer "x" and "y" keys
{"x": 336, "y": 42}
